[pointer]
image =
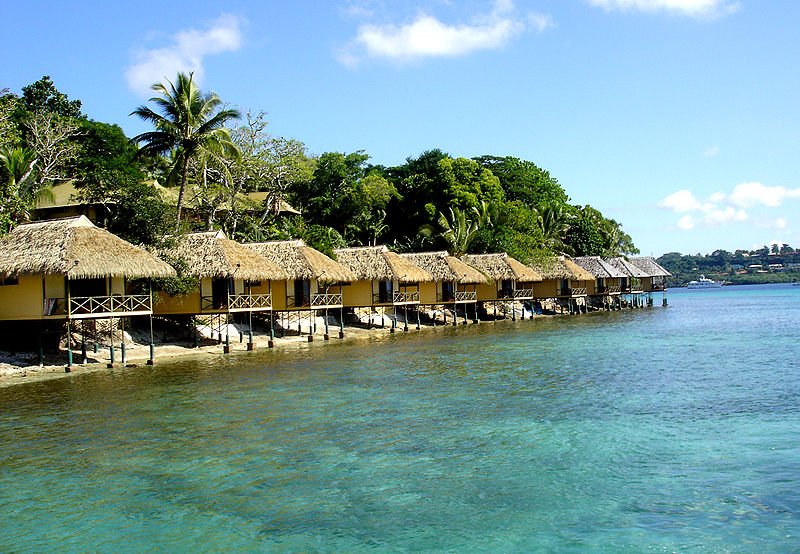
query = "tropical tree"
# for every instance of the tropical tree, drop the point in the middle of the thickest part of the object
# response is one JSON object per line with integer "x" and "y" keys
{"x": 459, "y": 231}
{"x": 187, "y": 122}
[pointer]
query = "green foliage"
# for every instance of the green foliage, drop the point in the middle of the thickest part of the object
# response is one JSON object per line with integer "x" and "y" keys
{"x": 525, "y": 181}
{"x": 584, "y": 236}
{"x": 43, "y": 96}
{"x": 180, "y": 285}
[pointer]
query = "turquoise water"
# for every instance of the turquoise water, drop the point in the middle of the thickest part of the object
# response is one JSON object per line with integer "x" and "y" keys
{"x": 656, "y": 430}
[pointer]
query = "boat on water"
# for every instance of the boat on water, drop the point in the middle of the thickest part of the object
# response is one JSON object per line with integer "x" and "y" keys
{"x": 704, "y": 283}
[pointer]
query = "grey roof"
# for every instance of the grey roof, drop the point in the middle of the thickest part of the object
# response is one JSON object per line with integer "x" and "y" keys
{"x": 649, "y": 265}
{"x": 599, "y": 267}
{"x": 626, "y": 267}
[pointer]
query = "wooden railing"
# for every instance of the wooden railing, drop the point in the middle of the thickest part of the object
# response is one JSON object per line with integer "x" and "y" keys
{"x": 249, "y": 302}
{"x": 99, "y": 306}
{"x": 574, "y": 291}
{"x": 319, "y": 300}
{"x": 466, "y": 296}
{"x": 404, "y": 297}
{"x": 613, "y": 289}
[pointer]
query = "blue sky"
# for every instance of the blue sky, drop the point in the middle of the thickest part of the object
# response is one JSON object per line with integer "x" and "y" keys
{"x": 678, "y": 118}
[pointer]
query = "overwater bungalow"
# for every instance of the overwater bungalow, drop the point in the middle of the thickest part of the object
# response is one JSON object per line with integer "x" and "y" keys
{"x": 227, "y": 273}
{"x": 68, "y": 269}
{"x": 454, "y": 286}
{"x": 656, "y": 279}
{"x": 563, "y": 281}
{"x": 630, "y": 285}
{"x": 509, "y": 281}
{"x": 384, "y": 281}
{"x": 314, "y": 283}
{"x": 606, "y": 286}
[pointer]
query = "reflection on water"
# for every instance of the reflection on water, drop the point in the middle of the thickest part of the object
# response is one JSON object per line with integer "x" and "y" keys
{"x": 653, "y": 429}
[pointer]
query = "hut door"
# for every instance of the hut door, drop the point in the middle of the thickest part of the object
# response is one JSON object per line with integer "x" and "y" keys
{"x": 447, "y": 291}
{"x": 384, "y": 292}
{"x": 302, "y": 292}
{"x": 220, "y": 288}
{"x": 506, "y": 289}
{"x": 87, "y": 287}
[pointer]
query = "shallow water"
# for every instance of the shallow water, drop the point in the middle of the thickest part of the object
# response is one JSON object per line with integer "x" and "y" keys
{"x": 663, "y": 430}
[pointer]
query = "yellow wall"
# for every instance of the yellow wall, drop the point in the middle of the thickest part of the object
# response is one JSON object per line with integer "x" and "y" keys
{"x": 428, "y": 292}
{"x": 487, "y": 291}
{"x": 358, "y": 294}
{"x": 186, "y": 304}
{"x": 24, "y": 300}
{"x": 546, "y": 289}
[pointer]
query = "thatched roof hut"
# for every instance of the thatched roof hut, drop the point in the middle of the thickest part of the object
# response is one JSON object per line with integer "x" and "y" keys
{"x": 561, "y": 268}
{"x": 599, "y": 268}
{"x": 212, "y": 254}
{"x": 445, "y": 268}
{"x": 301, "y": 262}
{"x": 75, "y": 247}
{"x": 377, "y": 263}
{"x": 649, "y": 265}
{"x": 626, "y": 267}
{"x": 501, "y": 266}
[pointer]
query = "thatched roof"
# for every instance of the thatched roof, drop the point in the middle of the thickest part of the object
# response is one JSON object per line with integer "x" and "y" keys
{"x": 303, "y": 262}
{"x": 502, "y": 266}
{"x": 650, "y": 266}
{"x": 599, "y": 267}
{"x": 212, "y": 254}
{"x": 445, "y": 267}
{"x": 626, "y": 267}
{"x": 376, "y": 263}
{"x": 561, "y": 268}
{"x": 74, "y": 247}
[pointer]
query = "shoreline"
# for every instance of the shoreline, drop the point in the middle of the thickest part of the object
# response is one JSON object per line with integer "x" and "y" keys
{"x": 138, "y": 353}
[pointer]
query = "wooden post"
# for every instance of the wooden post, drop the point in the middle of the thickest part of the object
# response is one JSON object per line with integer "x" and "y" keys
{"x": 152, "y": 359}
{"x": 69, "y": 348}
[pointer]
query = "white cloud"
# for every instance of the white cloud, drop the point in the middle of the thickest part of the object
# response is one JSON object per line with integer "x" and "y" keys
{"x": 681, "y": 201}
{"x": 686, "y": 223}
{"x": 711, "y": 152}
{"x": 753, "y": 194}
{"x": 777, "y": 223}
{"x": 186, "y": 53}
{"x": 426, "y": 36}
{"x": 720, "y": 216}
{"x": 691, "y": 8}
{"x": 723, "y": 209}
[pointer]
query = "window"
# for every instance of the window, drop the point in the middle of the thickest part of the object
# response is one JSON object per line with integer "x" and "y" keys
{"x": 8, "y": 280}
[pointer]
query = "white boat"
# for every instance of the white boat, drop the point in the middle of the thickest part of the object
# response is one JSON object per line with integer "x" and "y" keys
{"x": 704, "y": 283}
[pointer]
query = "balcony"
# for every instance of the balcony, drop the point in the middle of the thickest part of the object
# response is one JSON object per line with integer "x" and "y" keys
{"x": 517, "y": 294}
{"x": 396, "y": 298}
{"x": 326, "y": 300}
{"x": 572, "y": 292}
{"x": 609, "y": 290}
{"x": 88, "y": 307}
{"x": 249, "y": 302}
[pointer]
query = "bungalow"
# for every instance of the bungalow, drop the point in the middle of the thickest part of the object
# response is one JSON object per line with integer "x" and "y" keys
{"x": 454, "y": 285}
{"x": 509, "y": 280}
{"x": 227, "y": 273}
{"x": 383, "y": 280}
{"x": 563, "y": 281}
{"x": 68, "y": 269}
{"x": 314, "y": 282}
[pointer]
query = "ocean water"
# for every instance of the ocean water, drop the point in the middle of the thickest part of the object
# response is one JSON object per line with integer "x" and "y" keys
{"x": 653, "y": 430}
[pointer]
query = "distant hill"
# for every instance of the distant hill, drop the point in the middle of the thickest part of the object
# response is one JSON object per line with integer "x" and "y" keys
{"x": 776, "y": 264}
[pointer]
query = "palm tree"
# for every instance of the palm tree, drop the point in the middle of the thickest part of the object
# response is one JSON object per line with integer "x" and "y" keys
{"x": 458, "y": 231}
{"x": 554, "y": 223}
{"x": 189, "y": 122}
